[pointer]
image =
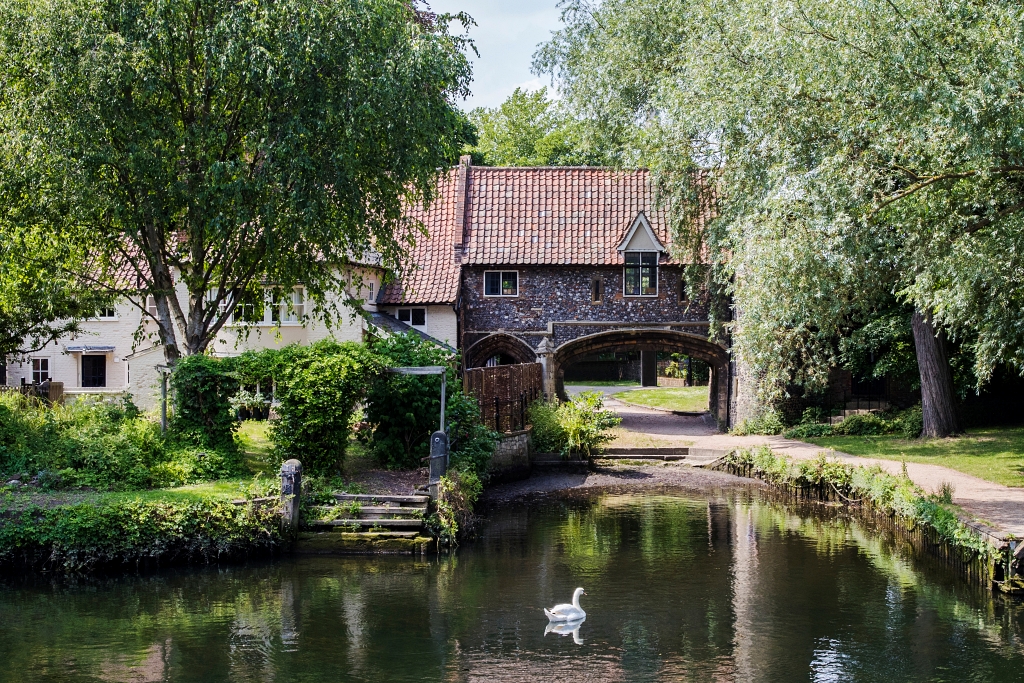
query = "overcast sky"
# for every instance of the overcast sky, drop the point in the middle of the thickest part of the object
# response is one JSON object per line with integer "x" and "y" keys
{"x": 506, "y": 35}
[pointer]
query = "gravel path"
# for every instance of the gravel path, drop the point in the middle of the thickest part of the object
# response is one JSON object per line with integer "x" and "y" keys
{"x": 1001, "y": 508}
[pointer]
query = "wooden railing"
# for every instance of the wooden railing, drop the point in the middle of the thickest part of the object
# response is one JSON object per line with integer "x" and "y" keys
{"x": 504, "y": 393}
{"x": 51, "y": 392}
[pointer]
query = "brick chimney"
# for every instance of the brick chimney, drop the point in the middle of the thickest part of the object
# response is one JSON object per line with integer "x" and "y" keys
{"x": 461, "y": 204}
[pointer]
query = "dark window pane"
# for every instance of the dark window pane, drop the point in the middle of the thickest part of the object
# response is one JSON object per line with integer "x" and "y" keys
{"x": 632, "y": 274}
{"x": 419, "y": 316}
{"x": 682, "y": 290}
{"x": 649, "y": 258}
{"x": 510, "y": 284}
{"x": 403, "y": 314}
{"x": 492, "y": 284}
{"x": 596, "y": 290}
{"x": 632, "y": 258}
{"x": 94, "y": 371}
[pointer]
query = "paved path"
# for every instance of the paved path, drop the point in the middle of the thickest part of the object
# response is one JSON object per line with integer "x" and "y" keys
{"x": 999, "y": 507}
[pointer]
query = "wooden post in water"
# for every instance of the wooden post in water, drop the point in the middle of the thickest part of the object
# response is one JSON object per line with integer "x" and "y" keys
{"x": 291, "y": 490}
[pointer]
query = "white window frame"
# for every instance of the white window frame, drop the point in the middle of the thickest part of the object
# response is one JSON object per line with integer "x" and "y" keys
{"x": 100, "y": 316}
{"x": 657, "y": 274}
{"x": 500, "y": 274}
{"x": 293, "y": 317}
{"x": 411, "y": 309}
{"x": 32, "y": 370}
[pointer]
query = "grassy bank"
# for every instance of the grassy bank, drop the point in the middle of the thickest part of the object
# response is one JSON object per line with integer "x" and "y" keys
{"x": 996, "y": 455}
{"x": 894, "y": 496}
{"x": 686, "y": 399}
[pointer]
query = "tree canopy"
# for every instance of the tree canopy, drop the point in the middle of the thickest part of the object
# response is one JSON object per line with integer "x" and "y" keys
{"x": 217, "y": 146}
{"x": 865, "y": 151}
{"x": 41, "y": 299}
{"x": 529, "y": 129}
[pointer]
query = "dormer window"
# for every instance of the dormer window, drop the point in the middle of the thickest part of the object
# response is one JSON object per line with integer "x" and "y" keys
{"x": 641, "y": 249}
{"x": 640, "y": 274}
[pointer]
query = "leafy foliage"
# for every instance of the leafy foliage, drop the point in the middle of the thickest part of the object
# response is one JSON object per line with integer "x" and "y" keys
{"x": 41, "y": 299}
{"x": 404, "y": 410}
{"x": 861, "y": 150}
{"x": 101, "y": 445}
{"x": 228, "y": 144}
{"x": 906, "y": 423}
{"x": 202, "y": 388}
{"x": 528, "y": 129}
{"x": 86, "y": 537}
{"x": 457, "y": 492}
{"x": 317, "y": 394}
{"x": 575, "y": 427}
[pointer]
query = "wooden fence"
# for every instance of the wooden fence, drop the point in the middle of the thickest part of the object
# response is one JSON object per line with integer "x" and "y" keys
{"x": 51, "y": 392}
{"x": 504, "y": 392}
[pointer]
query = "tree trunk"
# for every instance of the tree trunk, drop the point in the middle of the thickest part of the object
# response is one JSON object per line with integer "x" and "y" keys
{"x": 937, "y": 401}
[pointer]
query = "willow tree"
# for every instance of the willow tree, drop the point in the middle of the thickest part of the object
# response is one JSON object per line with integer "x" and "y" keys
{"x": 215, "y": 146}
{"x": 865, "y": 149}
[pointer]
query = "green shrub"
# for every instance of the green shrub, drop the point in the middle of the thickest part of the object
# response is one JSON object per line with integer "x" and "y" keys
{"x": 133, "y": 532}
{"x": 574, "y": 427}
{"x": 547, "y": 434}
{"x": 768, "y": 422}
{"x": 202, "y": 388}
{"x": 457, "y": 493}
{"x": 867, "y": 424}
{"x": 99, "y": 444}
{"x": 317, "y": 397}
{"x": 404, "y": 410}
{"x": 809, "y": 431}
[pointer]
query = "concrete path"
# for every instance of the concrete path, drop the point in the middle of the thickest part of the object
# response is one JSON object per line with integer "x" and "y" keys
{"x": 997, "y": 507}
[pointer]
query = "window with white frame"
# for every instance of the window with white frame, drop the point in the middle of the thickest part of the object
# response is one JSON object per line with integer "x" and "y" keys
{"x": 271, "y": 306}
{"x": 107, "y": 313}
{"x": 501, "y": 283}
{"x": 417, "y": 317}
{"x": 40, "y": 370}
{"x": 151, "y": 305}
{"x": 640, "y": 274}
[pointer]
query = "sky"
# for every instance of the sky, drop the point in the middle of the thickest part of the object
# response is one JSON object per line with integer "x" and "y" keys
{"x": 506, "y": 35}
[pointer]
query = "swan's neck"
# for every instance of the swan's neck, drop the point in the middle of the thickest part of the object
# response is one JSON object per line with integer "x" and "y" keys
{"x": 576, "y": 600}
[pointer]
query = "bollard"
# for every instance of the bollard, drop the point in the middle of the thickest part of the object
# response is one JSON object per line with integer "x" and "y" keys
{"x": 438, "y": 460}
{"x": 291, "y": 490}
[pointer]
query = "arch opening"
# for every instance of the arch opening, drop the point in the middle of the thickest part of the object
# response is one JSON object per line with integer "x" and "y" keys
{"x": 498, "y": 349}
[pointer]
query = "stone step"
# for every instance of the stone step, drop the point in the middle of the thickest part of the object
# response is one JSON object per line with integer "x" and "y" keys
{"x": 371, "y": 499}
{"x": 384, "y": 523}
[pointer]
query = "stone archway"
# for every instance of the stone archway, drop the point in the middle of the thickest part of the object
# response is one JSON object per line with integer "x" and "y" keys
{"x": 644, "y": 339}
{"x": 502, "y": 344}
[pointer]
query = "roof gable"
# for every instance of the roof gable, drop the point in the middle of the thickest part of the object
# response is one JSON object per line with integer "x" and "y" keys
{"x": 640, "y": 236}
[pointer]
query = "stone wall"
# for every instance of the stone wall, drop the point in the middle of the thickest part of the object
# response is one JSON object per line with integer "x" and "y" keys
{"x": 563, "y": 293}
{"x": 511, "y": 458}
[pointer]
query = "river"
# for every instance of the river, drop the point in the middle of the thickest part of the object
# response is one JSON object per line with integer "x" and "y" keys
{"x": 680, "y": 587}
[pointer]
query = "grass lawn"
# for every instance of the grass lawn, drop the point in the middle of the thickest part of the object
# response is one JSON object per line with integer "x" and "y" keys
{"x": 689, "y": 399}
{"x": 993, "y": 454}
{"x": 605, "y": 383}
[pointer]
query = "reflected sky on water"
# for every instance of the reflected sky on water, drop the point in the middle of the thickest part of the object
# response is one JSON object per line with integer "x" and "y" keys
{"x": 679, "y": 588}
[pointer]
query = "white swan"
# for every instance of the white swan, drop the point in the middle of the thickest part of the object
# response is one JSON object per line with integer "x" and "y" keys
{"x": 571, "y": 612}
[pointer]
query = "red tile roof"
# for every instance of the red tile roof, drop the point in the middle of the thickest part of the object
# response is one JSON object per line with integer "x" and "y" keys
{"x": 526, "y": 216}
{"x": 433, "y": 276}
{"x": 563, "y": 216}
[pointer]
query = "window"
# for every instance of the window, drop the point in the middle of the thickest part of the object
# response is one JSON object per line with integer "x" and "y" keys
{"x": 417, "y": 317}
{"x": 94, "y": 371}
{"x": 251, "y": 307}
{"x": 682, "y": 289}
{"x": 597, "y": 290}
{"x": 107, "y": 312}
{"x": 40, "y": 370}
{"x": 289, "y": 308}
{"x": 370, "y": 297}
{"x": 640, "y": 274}
{"x": 151, "y": 305}
{"x": 501, "y": 283}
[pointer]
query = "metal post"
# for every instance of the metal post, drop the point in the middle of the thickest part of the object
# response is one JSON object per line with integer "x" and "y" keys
{"x": 444, "y": 376}
{"x": 438, "y": 461}
{"x": 163, "y": 402}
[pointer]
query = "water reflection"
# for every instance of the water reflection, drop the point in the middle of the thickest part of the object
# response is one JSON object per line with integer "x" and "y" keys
{"x": 727, "y": 588}
{"x": 566, "y": 628}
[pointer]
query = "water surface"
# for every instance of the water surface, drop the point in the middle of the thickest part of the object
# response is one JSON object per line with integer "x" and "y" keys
{"x": 680, "y": 588}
